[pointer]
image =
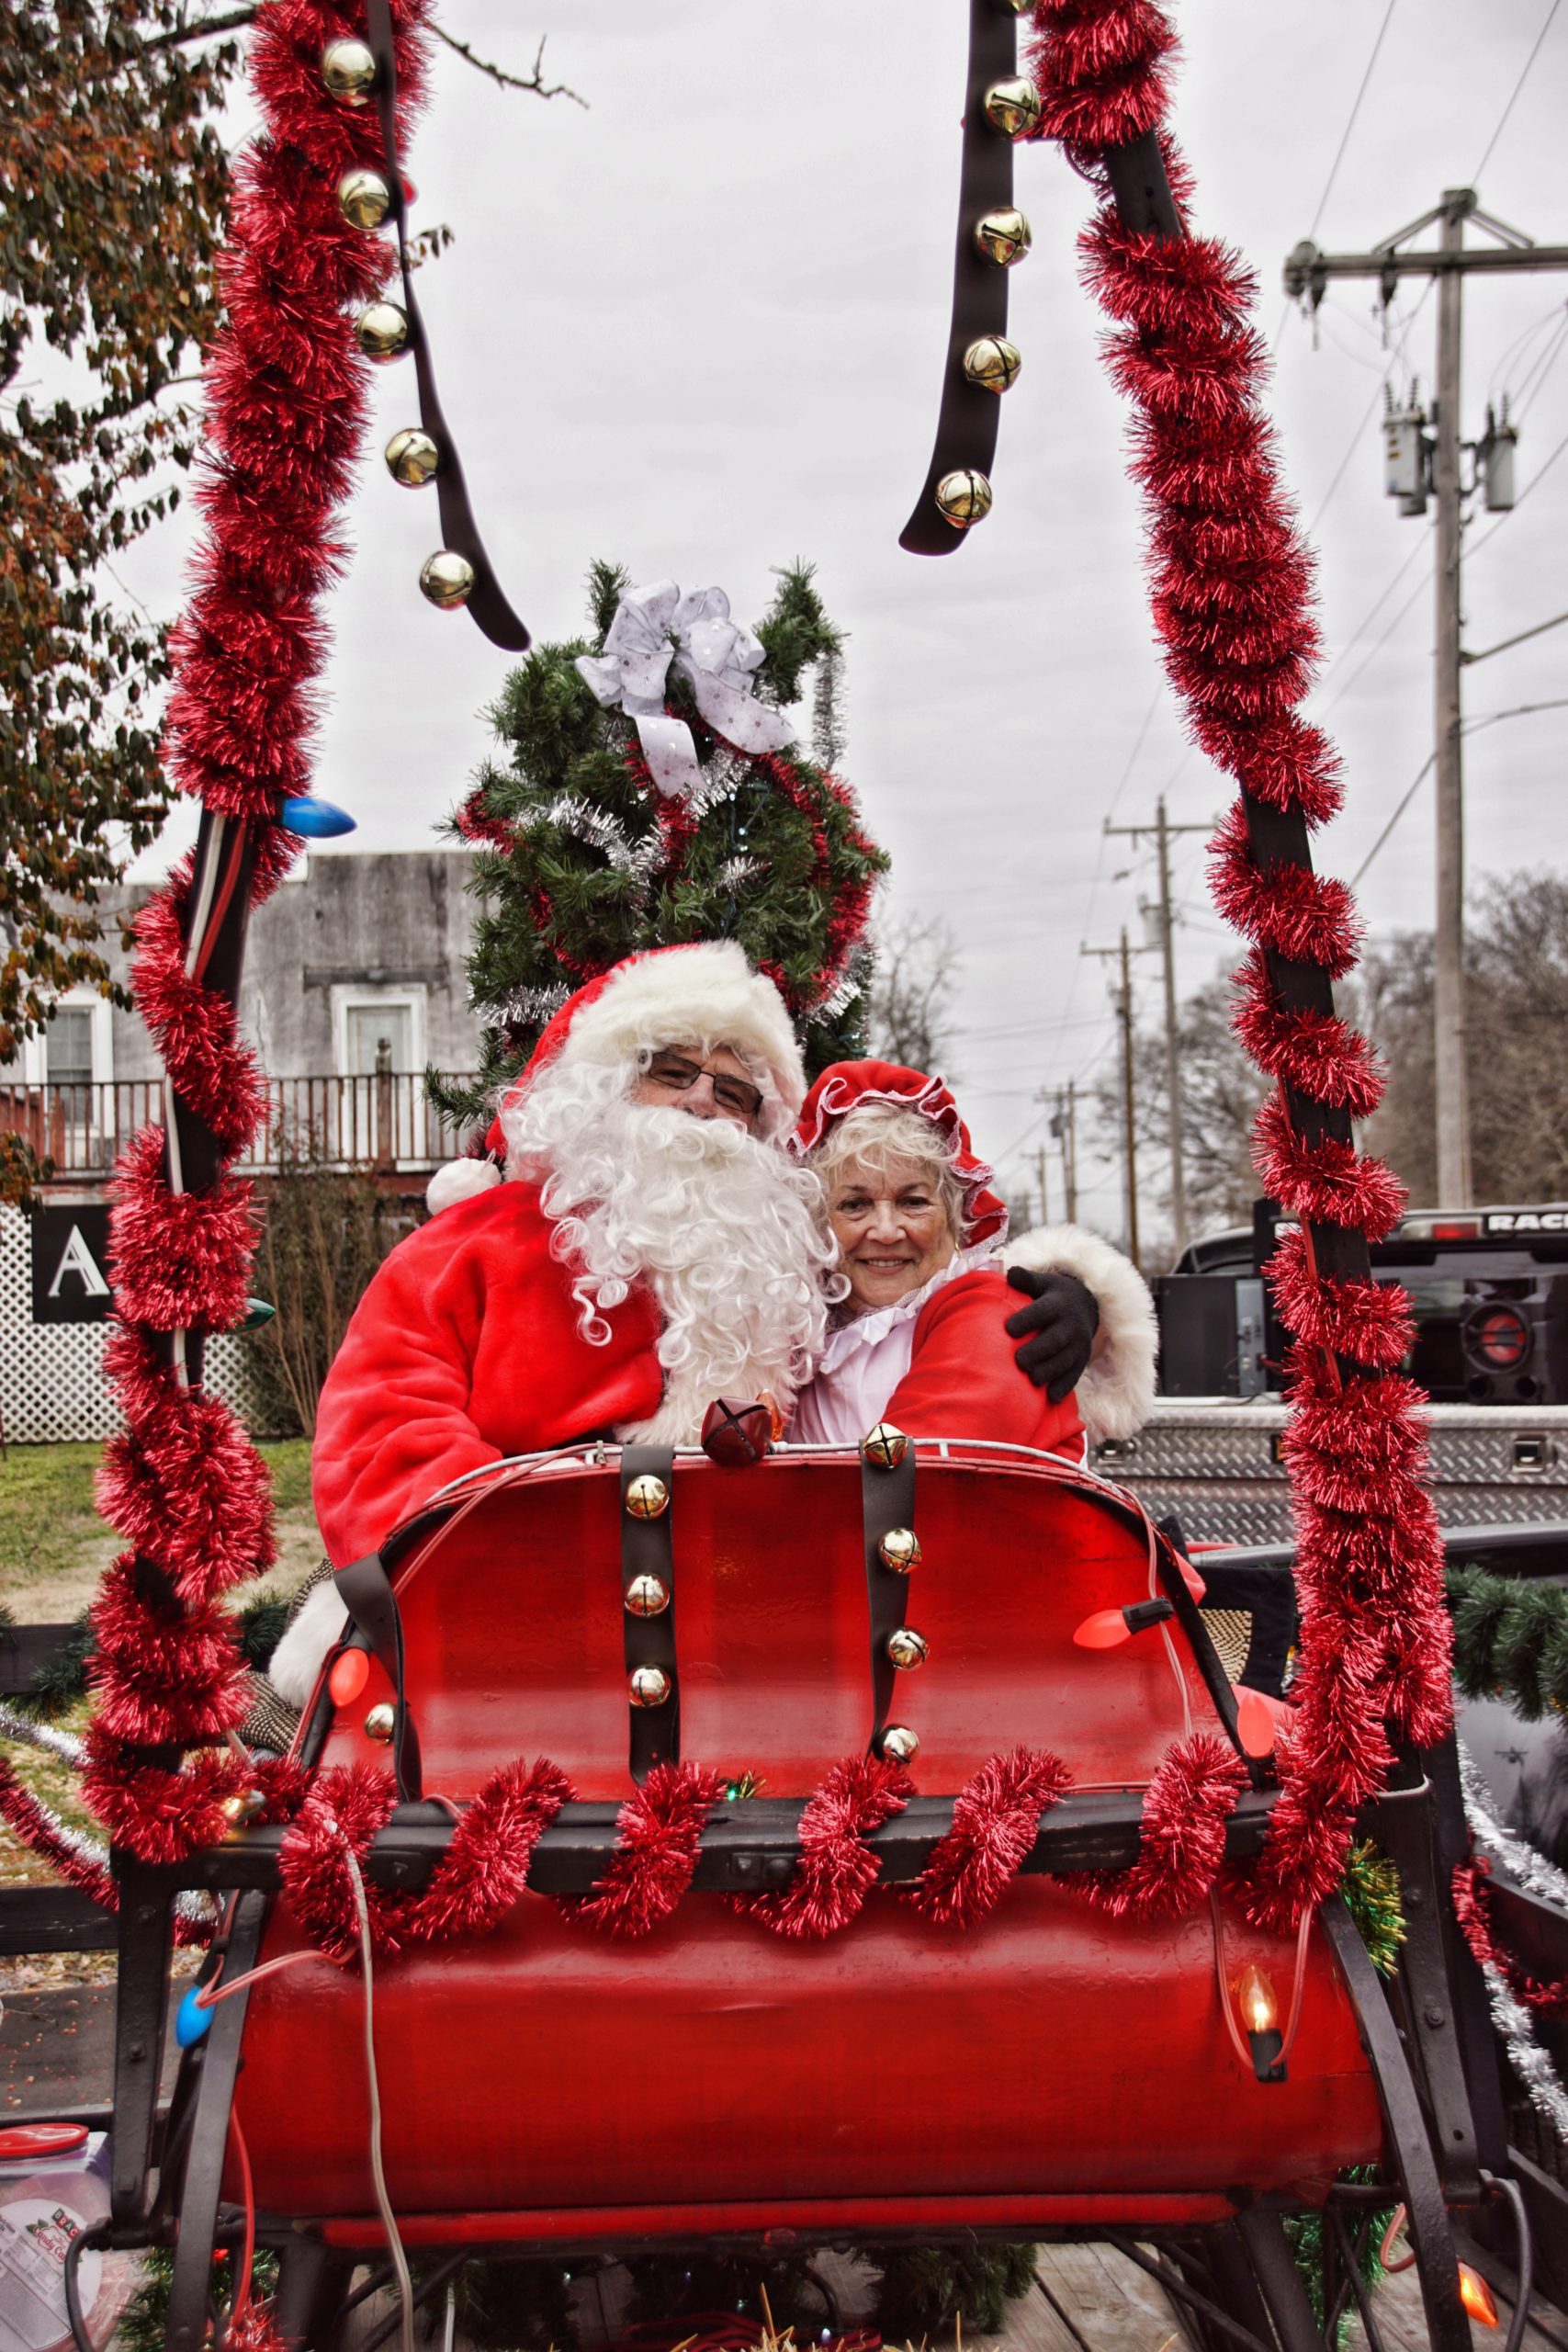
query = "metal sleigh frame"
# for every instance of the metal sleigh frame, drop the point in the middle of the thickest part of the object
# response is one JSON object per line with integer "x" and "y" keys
{"x": 1426, "y": 2035}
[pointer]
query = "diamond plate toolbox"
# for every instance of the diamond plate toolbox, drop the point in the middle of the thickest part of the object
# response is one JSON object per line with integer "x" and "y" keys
{"x": 1219, "y": 1466}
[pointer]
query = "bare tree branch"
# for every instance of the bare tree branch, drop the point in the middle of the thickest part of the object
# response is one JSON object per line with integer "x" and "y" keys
{"x": 234, "y": 19}
{"x": 206, "y": 28}
{"x": 535, "y": 82}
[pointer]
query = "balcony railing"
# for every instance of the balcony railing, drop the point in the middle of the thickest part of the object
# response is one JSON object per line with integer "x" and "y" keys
{"x": 381, "y": 1124}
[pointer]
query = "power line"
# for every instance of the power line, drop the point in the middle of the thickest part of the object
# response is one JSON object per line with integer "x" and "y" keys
{"x": 1508, "y": 111}
{"x": 1351, "y": 124}
{"x": 1339, "y": 151}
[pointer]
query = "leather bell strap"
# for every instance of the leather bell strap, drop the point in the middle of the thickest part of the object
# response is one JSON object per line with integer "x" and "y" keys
{"x": 459, "y": 531}
{"x": 647, "y": 1549}
{"x": 969, "y": 418}
{"x": 365, "y": 1591}
{"x": 888, "y": 1501}
{"x": 1189, "y": 1617}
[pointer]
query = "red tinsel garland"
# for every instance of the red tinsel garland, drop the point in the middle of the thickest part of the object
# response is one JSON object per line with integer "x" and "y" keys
{"x": 1182, "y": 1849}
{"x": 1231, "y": 588}
{"x": 1470, "y": 1909}
{"x": 837, "y": 1868}
{"x": 37, "y": 1828}
{"x": 994, "y": 1821}
{"x": 659, "y": 1836}
{"x": 285, "y": 408}
{"x": 478, "y": 1881}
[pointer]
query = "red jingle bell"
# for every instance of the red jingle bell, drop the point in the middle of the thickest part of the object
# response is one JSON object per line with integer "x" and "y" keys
{"x": 736, "y": 1435}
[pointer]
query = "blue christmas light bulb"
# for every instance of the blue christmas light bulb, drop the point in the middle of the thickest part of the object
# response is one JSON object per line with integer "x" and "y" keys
{"x": 191, "y": 2020}
{"x": 315, "y": 821}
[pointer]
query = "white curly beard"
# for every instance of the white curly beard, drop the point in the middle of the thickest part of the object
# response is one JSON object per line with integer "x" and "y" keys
{"x": 728, "y": 1232}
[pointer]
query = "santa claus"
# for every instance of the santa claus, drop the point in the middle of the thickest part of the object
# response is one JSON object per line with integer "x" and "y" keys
{"x": 654, "y": 1248}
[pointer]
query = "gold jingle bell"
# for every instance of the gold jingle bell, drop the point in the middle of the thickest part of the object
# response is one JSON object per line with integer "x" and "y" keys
{"x": 963, "y": 497}
{"x": 1015, "y": 7}
{"x": 1004, "y": 236}
{"x": 899, "y": 1744}
{"x": 364, "y": 199}
{"x": 411, "y": 457}
{"x": 647, "y": 1597}
{"x": 907, "y": 1649}
{"x": 648, "y": 1686}
{"x": 993, "y": 363}
{"x": 381, "y": 1722}
{"x": 1013, "y": 105}
{"x": 648, "y": 1496}
{"x": 242, "y": 1807}
{"x": 446, "y": 580}
{"x": 900, "y": 1550}
{"x": 381, "y": 331}
{"x": 349, "y": 69}
{"x": 883, "y": 1447}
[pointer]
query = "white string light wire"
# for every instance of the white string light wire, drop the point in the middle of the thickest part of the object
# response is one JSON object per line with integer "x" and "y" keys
{"x": 384, "y": 2203}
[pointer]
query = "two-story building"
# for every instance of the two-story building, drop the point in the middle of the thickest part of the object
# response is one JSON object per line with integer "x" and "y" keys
{"x": 355, "y": 982}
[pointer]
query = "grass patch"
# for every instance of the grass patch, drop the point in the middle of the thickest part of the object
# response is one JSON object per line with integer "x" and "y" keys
{"x": 46, "y": 1512}
{"x": 53, "y": 1545}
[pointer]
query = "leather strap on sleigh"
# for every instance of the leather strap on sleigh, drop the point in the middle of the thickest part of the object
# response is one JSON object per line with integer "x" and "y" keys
{"x": 647, "y": 1606}
{"x": 365, "y": 1591}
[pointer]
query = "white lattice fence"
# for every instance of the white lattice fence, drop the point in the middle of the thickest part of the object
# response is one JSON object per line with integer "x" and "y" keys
{"x": 52, "y": 1374}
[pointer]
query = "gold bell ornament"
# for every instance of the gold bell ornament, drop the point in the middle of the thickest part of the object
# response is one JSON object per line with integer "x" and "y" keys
{"x": 381, "y": 331}
{"x": 907, "y": 1649}
{"x": 349, "y": 69}
{"x": 648, "y": 1496}
{"x": 411, "y": 457}
{"x": 899, "y": 1744}
{"x": 1003, "y": 236}
{"x": 362, "y": 197}
{"x": 1013, "y": 105}
{"x": 883, "y": 1447}
{"x": 381, "y": 1722}
{"x": 993, "y": 363}
{"x": 900, "y": 1550}
{"x": 963, "y": 497}
{"x": 446, "y": 580}
{"x": 648, "y": 1686}
{"x": 647, "y": 1597}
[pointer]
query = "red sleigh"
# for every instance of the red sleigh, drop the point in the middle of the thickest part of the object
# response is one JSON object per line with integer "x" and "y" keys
{"x": 1051, "y": 2067}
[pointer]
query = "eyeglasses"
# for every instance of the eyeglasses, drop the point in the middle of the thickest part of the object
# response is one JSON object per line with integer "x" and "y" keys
{"x": 734, "y": 1094}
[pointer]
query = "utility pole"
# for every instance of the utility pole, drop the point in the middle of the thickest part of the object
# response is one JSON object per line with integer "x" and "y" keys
{"x": 1064, "y": 1127}
{"x": 1307, "y": 273}
{"x": 1162, "y": 832}
{"x": 1124, "y": 954}
{"x": 1039, "y": 1172}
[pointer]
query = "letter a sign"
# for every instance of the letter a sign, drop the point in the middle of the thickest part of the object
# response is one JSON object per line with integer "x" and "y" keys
{"x": 70, "y": 1257}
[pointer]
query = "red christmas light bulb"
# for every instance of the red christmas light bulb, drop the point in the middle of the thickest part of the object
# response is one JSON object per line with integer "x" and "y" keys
{"x": 348, "y": 1677}
{"x": 1102, "y": 1631}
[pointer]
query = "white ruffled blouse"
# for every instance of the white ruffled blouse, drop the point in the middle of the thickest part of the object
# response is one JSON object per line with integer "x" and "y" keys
{"x": 865, "y": 1360}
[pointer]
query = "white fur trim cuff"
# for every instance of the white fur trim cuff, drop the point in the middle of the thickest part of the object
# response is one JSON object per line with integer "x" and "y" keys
{"x": 705, "y": 991}
{"x": 460, "y": 1180}
{"x": 1116, "y": 1394}
{"x": 303, "y": 1649}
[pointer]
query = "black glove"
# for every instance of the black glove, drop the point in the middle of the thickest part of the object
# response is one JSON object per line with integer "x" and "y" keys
{"x": 1057, "y": 1328}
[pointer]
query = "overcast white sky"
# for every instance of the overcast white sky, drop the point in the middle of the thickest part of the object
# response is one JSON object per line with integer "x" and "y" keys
{"x": 699, "y": 329}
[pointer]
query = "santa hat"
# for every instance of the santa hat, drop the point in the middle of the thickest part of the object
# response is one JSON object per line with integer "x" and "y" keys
{"x": 847, "y": 1085}
{"x": 671, "y": 996}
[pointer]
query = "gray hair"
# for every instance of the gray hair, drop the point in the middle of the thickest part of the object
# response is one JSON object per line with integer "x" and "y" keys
{"x": 878, "y": 1137}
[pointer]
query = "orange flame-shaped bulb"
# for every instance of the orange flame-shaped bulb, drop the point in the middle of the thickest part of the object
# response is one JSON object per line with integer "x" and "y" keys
{"x": 1255, "y": 1995}
{"x": 1102, "y": 1631}
{"x": 1476, "y": 2295}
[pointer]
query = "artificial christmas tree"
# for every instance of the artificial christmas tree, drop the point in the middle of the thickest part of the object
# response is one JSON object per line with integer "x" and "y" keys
{"x": 648, "y": 792}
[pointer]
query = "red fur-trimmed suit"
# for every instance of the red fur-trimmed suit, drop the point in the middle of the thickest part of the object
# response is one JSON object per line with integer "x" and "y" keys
{"x": 465, "y": 1349}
